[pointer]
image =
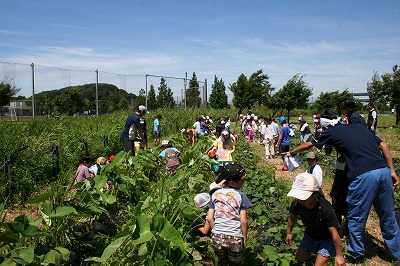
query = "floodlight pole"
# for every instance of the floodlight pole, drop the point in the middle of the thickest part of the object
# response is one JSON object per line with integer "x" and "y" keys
{"x": 97, "y": 93}
{"x": 184, "y": 89}
{"x": 33, "y": 90}
{"x": 146, "y": 92}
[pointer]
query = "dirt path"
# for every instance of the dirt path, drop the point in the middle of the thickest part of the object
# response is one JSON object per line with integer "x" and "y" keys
{"x": 375, "y": 252}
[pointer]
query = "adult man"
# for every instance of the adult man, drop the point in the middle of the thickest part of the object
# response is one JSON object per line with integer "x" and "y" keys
{"x": 132, "y": 127}
{"x": 372, "y": 117}
{"x": 371, "y": 176}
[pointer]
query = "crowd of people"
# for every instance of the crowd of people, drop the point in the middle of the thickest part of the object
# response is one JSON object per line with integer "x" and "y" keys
{"x": 364, "y": 177}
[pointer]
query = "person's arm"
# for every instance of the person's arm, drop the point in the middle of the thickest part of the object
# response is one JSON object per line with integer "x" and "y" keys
{"x": 339, "y": 260}
{"x": 141, "y": 135}
{"x": 209, "y": 148}
{"x": 302, "y": 147}
{"x": 291, "y": 222}
{"x": 389, "y": 160}
{"x": 279, "y": 140}
{"x": 244, "y": 225}
{"x": 210, "y": 217}
{"x": 205, "y": 230}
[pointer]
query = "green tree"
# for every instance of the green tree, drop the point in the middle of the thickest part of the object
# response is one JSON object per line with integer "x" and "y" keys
{"x": 331, "y": 100}
{"x": 140, "y": 99}
{"x": 70, "y": 102}
{"x": 218, "y": 97}
{"x": 294, "y": 94}
{"x": 165, "y": 98}
{"x": 387, "y": 87}
{"x": 7, "y": 91}
{"x": 151, "y": 99}
{"x": 193, "y": 93}
{"x": 252, "y": 91}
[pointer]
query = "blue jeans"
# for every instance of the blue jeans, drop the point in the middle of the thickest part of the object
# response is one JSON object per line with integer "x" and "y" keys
{"x": 373, "y": 187}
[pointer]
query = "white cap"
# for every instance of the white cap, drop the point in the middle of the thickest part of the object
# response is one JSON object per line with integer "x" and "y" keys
{"x": 165, "y": 142}
{"x": 201, "y": 200}
{"x": 142, "y": 108}
{"x": 303, "y": 186}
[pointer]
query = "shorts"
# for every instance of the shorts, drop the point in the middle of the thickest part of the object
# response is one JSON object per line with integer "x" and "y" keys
{"x": 283, "y": 149}
{"x": 323, "y": 247}
{"x": 139, "y": 144}
{"x": 157, "y": 135}
{"x": 229, "y": 249}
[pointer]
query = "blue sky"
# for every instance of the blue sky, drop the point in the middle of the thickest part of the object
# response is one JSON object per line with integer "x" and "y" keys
{"x": 335, "y": 44}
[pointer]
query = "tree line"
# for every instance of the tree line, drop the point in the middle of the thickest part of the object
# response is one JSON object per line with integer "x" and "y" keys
{"x": 247, "y": 92}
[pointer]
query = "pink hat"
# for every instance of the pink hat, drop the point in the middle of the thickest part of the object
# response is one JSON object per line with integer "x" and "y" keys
{"x": 303, "y": 186}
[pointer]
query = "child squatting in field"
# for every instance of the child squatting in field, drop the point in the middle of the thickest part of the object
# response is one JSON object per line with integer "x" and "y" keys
{"x": 321, "y": 234}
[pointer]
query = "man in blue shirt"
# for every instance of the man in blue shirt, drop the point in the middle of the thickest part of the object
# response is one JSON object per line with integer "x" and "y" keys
{"x": 132, "y": 127}
{"x": 372, "y": 179}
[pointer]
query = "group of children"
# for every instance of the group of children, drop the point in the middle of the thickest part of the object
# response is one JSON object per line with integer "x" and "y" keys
{"x": 227, "y": 225}
{"x": 88, "y": 168}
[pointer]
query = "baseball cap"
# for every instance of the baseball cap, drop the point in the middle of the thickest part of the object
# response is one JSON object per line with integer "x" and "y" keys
{"x": 165, "y": 142}
{"x": 201, "y": 200}
{"x": 101, "y": 160}
{"x": 225, "y": 133}
{"x": 303, "y": 186}
{"x": 142, "y": 108}
{"x": 282, "y": 119}
{"x": 231, "y": 172}
{"x": 312, "y": 155}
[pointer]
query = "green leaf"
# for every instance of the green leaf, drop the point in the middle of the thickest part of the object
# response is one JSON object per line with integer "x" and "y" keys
{"x": 64, "y": 252}
{"x": 142, "y": 233}
{"x": 8, "y": 262}
{"x": 166, "y": 233}
{"x": 23, "y": 255}
{"x": 9, "y": 237}
{"x": 142, "y": 250}
{"x": 40, "y": 198}
{"x": 110, "y": 249}
{"x": 100, "y": 181}
{"x": 53, "y": 257}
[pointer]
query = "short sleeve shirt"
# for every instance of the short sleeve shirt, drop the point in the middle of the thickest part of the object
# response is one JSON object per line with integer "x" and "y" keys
{"x": 224, "y": 149}
{"x": 285, "y": 136}
{"x": 316, "y": 220}
{"x": 227, "y": 204}
{"x": 359, "y": 147}
{"x": 132, "y": 119}
{"x": 156, "y": 125}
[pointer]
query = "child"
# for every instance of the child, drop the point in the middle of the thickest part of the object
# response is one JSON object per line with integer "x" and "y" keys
{"x": 225, "y": 145}
{"x": 171, "y": 155}
{"x": 83, "y": 172}
{"x": 227, "y": 216}
{"x": 321, "y": 233}
{"x": 157, "y": 129}
{"x": 313, "y": 166}
{"x": 268, "y": 138}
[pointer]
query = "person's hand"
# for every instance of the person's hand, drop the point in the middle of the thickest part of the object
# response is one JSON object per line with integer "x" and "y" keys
{"x": 395, "y": 180}
{"x": 339, "y": 261}
{"x": 289, "y": 239}
{"x": 372, "y": 129}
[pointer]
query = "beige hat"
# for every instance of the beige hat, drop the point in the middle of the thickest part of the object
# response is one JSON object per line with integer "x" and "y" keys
{"x": 312, "y": 155}
{"x": 303, "y": 186}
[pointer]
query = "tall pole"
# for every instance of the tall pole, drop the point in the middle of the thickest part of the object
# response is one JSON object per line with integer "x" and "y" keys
{"x": 97, "y": 93}
{"x": 146, "y": 92}
{"x": 205, "y": 93}
{"x": 184, "y": 89}
{"x": 33, "y": 90}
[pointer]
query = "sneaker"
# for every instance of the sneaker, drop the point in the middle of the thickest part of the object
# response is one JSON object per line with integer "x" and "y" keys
{"x": 284, "y": 168}
{"x": 359, "y": 262}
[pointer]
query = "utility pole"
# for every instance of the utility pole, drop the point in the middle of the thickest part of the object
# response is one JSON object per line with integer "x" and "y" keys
{"x": 97, "y": 93}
